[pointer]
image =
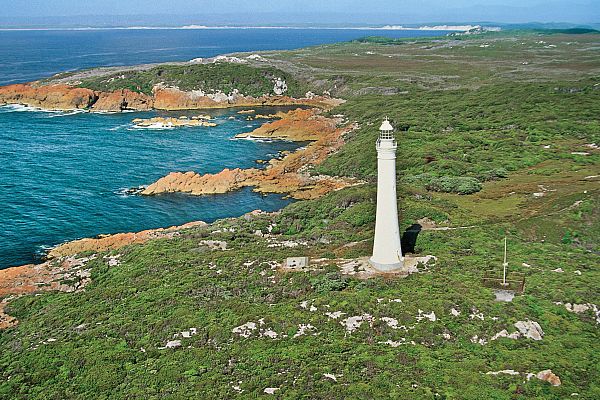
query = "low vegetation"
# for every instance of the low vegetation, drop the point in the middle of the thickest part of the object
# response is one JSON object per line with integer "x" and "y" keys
{"x": 224, "y": 77}
{"x": 495, "y": 149}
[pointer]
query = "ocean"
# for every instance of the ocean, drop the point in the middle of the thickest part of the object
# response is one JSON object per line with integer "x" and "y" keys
{"x": 63, "y": 175}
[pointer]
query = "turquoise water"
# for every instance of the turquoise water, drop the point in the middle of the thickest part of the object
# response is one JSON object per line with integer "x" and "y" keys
{"x": 63, "y": 175}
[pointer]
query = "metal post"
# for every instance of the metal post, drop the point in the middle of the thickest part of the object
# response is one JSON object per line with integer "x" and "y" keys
{"x": 504, "y": 264}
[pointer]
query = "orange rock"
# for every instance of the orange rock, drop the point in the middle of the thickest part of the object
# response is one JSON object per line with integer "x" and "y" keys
{"x": 297, "y": 125}
{"x": 281, "y": 176}
{"x": 123, "y": 100}
{"x": 51, "y": 97}
{"x": 549, "y": 376}
{"x": 6, "y": 321}
{"x": 116, "y": 241}
{"x": 193, "y": 183}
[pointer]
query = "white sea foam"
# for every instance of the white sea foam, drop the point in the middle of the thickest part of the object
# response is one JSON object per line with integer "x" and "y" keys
{"x": 18, "y": 108}
{"x": 54, "y": 114}
{"x": 10, "y": 108}
{"x": 153, "y": 127}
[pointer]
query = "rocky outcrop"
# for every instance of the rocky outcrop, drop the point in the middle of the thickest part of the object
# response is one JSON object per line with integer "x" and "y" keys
{"x": 120, "y": 100}
{"x": 116, "y": 241}
{"x": 530, "y": 329}
{"x": 160, "y": 122}
{"x": 66, "y": 97}
{"x": 66, "y": 272}
{"x": 288, "y": 175}
{"x": 297, "y": 125}
{"x": 197, "y": 184}
{"x": 51, "y": 97}
{"x": 169, "y": 98}
{"x": 548, "y": 376}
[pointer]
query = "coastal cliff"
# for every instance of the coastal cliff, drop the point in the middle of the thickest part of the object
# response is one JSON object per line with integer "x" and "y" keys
{"x": 64, "y": 97}
{"x": 220, "y": 82}
{"x": 51, "y": 97}
{"x": 289, "y": 175}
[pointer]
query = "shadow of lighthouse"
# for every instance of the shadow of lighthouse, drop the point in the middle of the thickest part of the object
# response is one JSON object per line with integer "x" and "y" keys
{"x": 409, "y": 238}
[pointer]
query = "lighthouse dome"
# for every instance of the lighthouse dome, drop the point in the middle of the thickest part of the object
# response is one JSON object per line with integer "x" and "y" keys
{"x": 386, "y": 126}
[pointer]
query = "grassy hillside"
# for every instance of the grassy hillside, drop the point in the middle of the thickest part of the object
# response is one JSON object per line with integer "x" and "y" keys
{"x": 221, "y": 76}
{"x": 511, "y": 119}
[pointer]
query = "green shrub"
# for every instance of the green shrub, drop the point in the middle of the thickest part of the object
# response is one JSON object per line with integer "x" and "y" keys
{"x": 446, "y": 184}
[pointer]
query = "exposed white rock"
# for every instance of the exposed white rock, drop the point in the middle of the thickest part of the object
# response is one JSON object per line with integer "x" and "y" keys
{"x": 113, "y": 261}
{"x": 256, "y": 57}
{"x": 280, "y": 87}
{"x": 558, "y": 270}
{"x": 237, "y": 387}
{"x": 431, "y": 316}
{"x": 504, "y": 334}
{"x": 353, "y": 323}
{"x": 476, "y": 339}
{"x": 269, "y": 333}
{"x": 245, "y": 330}
{"x": 171, "y": 344}
{"x": 331, "y": 376}
{"x": 476, "y": 314}
{"x": 303, "y": 329}
{"x": 580, "y": 308}
{"x": 228, "y": 59}
{"x": 270, "y": 390}
{"x": 335, "y": 314}
{"x": 530, "y": 329}
{"x": 454, "y": 312}
{"x": 391, "y": 322}
{"x": 504, "y": 371}
{"x": 395, "y": 343}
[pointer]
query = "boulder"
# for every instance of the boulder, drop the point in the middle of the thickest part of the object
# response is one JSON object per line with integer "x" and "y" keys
{"x": 548, "y": 376}
{"x": 530, "y": 329}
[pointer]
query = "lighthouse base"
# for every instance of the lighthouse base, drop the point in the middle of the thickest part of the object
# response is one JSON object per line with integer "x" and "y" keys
{"x": 394, "y": 267}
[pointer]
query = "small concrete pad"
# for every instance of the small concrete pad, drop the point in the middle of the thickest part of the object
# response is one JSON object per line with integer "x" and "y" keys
{"x": 504, "y": 295}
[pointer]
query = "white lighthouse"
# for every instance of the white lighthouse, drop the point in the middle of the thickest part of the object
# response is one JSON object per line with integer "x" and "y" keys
{"x": 387, "y": 254}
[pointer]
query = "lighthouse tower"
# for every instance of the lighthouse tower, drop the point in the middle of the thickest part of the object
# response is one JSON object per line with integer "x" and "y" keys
{"x": 387, "y": 254}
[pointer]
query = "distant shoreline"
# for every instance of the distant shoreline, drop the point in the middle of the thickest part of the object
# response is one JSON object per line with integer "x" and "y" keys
{"x": 455, "y": 28}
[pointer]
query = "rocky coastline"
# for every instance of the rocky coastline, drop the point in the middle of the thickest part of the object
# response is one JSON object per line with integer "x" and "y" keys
{"x": 290, "y": 175}
{"x": 65, "y": 97}
{"x": 64, "y": 271}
